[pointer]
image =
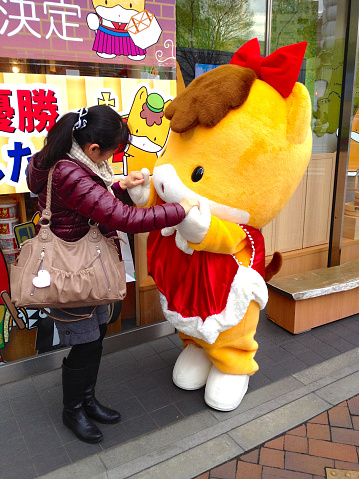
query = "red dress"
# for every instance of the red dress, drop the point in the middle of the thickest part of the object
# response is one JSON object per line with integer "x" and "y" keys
{"x": 205, "y": 287}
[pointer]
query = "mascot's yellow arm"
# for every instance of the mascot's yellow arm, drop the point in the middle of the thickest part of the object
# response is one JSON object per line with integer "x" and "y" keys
{"x": 222, "y": 237}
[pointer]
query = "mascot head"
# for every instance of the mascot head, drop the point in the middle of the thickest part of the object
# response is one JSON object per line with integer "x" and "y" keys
{"x": 240, "y": 136}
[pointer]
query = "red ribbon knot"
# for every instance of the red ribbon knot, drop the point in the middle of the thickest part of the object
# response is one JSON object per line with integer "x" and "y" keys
{"x": 280, "y": 69}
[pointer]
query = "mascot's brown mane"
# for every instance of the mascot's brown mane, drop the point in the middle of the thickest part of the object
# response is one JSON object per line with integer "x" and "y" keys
{"x": 209, "y": 98}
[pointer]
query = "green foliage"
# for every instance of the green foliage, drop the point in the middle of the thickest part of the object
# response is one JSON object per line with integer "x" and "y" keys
{"x": 213, "y": 24}
{"x": 295, "y": 21}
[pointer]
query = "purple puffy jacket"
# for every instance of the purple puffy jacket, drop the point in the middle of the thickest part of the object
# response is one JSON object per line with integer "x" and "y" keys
{"x": 79, "y": 194}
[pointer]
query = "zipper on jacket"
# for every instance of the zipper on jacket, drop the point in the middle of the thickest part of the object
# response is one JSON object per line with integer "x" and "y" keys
{"x": 41, "y": 259}
{"x": 103, "y": 268}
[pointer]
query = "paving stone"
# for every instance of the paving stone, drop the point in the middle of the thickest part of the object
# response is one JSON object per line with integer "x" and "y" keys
{"x": 89, "y": 468}
{"x": 320, "y": 419}
{"x": 115, "y": 435}
{"x": 273, "y": 473}
{"x": 332, "y": 450}
{"x": 188, "y": 464}
{"x": 273, "y": 404}
{"x": 226, "y": 471}
{"x": 45, "y": 462}
{"x": 166, "y": 415}
{"x": 140, "y": 425}
{"x": 271, "y": 457}
{"x": 157, "y": 440}
{"x": 278, "y": 421}
{"x": 19, "y": 471}
{"x": 318, "y": 431}
{"x": 162, "y": 344}
{"x": 142, "y": 351}
{"x": 308, "y": 464}
{"x": 355, "y": 421}
{"x": 252, "y": 456}
{"x": 345, "y": 436}
{"x": 262, "y": 397}
{"x": 276, "y": 443}
{"x": 340, "y": 390}
{"x": 299, "y": 431}
{"x": 340, "y": 417}
{"x": 348, "y": 466}
{"x": 329, "y": 367}
{"x": 245, "y": 470}
{"x": 47, "y": 380}
{"x": 45, "y": 440}
{"x": 296, "y": 443}
{"x": 19, "y": 388}
{"x": 353, "y": 404}
{"x": 77, "y": 450}
{"x": 196, "y": 404}
{"x": 153, "y": 400}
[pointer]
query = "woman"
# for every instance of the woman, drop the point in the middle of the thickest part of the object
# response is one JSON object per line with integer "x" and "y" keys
{"x": 83, "y": 188}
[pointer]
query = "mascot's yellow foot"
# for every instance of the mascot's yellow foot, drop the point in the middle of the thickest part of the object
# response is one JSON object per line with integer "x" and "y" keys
{"x": 192, "y": 368}
{"x": 225, "y": 392}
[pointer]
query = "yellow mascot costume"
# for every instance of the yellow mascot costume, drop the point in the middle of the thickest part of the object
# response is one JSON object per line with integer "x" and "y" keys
{"x": 240, "y": 143}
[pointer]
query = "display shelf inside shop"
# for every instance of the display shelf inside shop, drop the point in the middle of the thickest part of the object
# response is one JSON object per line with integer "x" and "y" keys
{"x": 15, "y": 208}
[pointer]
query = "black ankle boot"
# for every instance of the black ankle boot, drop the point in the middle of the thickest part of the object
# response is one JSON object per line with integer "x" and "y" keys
{"x": 94, "y": 409}
{"x": 73, "y": 415}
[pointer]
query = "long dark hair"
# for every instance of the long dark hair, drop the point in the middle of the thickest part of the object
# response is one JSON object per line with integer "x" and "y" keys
{"x": 104, "y": 126}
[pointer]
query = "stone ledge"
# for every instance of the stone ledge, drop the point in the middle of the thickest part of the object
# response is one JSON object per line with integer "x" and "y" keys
{"x": 318, "y": 282}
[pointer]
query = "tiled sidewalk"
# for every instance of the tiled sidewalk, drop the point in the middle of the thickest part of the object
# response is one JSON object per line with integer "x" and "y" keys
{"x": 168, "y": 433}
{"x": 329, "y": 440}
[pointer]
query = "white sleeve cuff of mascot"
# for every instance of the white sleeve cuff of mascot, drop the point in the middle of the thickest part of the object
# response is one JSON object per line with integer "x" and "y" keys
{"x": 141, "y": 194}
{"x": 195, "y": 225}
{"x": 247, "y": 286}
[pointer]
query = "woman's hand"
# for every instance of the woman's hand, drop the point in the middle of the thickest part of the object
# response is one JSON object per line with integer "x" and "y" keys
{"x": 134, "y": 178}
{"x": 188, "y": 204}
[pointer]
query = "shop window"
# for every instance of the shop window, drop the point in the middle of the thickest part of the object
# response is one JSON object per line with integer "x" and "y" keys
{"x": 208, "y": 33}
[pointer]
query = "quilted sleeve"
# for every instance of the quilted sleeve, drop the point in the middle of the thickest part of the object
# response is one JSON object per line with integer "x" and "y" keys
{"x": 89, "y": 199}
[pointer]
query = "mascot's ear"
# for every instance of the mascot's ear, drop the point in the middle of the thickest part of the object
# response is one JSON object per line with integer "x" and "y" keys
{"x": 298, "y": 114}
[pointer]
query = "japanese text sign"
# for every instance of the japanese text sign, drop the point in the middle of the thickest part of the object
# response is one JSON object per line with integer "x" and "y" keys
{"x": 86, "y": 31}
{"x": 31, "y": 104}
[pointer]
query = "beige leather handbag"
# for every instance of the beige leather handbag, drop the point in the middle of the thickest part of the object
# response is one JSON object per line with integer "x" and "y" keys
{"x": 53, "y": 273}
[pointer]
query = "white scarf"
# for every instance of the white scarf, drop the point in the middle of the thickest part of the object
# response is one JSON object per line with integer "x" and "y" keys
{"x": 103, "y": 169}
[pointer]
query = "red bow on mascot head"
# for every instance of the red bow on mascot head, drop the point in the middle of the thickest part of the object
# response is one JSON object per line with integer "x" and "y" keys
{"x": 280, "y": 69}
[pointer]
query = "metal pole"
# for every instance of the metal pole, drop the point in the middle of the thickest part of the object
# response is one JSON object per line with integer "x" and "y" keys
{"x": 268, "y": 31}
{"x": 344, "y": 133}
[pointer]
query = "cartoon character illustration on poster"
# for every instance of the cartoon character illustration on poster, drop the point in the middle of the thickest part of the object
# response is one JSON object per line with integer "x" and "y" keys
{"x": 240, "y": 143}
{"x": 8, "y": 312}
{"x": 149, "y": 130}
{"x": 123, "y": 27}
{"x": 354, "y": 144}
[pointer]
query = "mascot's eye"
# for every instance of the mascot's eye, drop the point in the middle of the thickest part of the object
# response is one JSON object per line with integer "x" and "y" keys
{"x": 197, "y": 174}
{"x": 130, "y": 5}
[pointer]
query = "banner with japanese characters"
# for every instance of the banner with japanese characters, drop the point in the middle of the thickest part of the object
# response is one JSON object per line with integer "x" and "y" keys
{"x": 142, "y": 31}
{"x": 30, "y": 105}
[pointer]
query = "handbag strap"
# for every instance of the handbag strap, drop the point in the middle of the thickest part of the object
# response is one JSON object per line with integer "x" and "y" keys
{"x": 77, "y": 317}
{"x": 46, "y": 212}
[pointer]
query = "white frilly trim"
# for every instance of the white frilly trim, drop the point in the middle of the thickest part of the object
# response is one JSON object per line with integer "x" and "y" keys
{"x": 247, "y": 286}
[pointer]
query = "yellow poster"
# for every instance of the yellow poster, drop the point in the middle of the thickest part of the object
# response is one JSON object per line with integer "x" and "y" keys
{"x": 31, "y": 104}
